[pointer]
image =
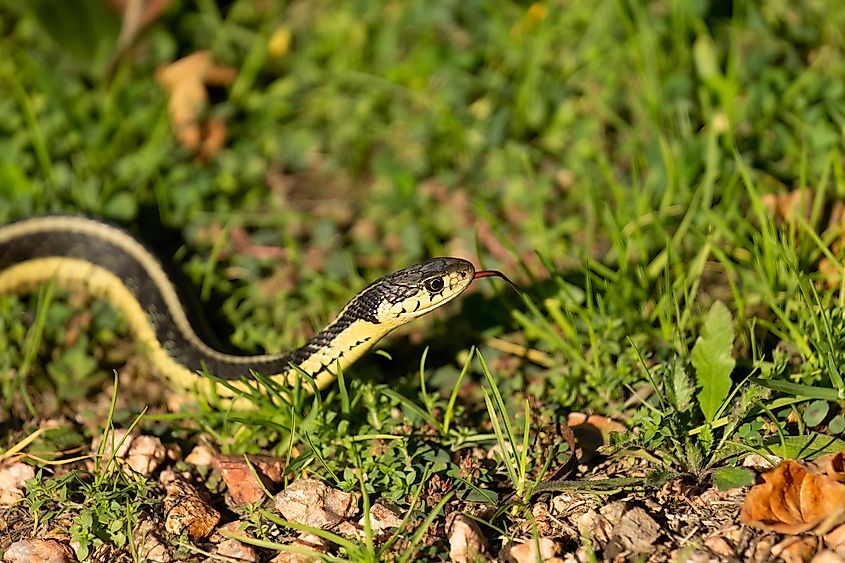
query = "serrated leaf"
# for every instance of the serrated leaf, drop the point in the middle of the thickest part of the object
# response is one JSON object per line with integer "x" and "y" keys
{"x": 731, "y": 477}
{"x": 712, "y": 360}
{"x": 684, "y": 389}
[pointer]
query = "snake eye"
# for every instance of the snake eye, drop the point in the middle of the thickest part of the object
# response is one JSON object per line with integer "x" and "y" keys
{"x": 434, "y": 285}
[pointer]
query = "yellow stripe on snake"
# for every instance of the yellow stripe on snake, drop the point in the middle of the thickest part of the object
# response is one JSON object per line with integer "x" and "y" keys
{"x": 85, "y": 253}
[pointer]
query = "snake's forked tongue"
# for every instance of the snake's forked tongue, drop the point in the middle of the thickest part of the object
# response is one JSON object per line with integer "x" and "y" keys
{"x": 497, "y": 274}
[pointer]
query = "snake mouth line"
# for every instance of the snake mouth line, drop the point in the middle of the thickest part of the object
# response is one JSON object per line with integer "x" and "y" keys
{"x": 497, "y": 274}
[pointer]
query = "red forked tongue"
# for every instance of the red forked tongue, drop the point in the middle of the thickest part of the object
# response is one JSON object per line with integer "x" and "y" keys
{"x": 498, "y": 274}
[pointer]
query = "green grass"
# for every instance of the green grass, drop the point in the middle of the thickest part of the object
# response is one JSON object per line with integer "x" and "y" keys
{"x": 613, "y": 157}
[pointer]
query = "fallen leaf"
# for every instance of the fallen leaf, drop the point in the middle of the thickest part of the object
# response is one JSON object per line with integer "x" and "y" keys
{"x": 136, "y": 15}
{"x": 793, "y": 500}
{"x": 185, "y": 81}
{"x": 835, "y": 538}
{"x": 796, "y": 550}
{"x": 833, "y": 465}
{"x": 787, "y": 207}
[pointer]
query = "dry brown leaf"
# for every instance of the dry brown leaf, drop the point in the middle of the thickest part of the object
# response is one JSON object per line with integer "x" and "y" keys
{"x": 604, "y": 424}
{"x": 833, "y": 465}
{"x": 793, "y": 500}
{"x": 835, "y": 538}
{"x": 796, "y": 550}
{"x": 787, "y": 207}
{"x": 136, "y": 14}
{"x": 185, "y": 81}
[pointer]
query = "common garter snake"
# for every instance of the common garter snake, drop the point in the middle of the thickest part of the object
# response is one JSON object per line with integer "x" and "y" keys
{"x": 108, "y": 262}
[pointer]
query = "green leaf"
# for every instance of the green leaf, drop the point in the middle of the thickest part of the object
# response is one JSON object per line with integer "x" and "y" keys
{"x": 85, "y": 29}
{"x": 816, "y": 413}
{"x": 837, "y": 424}
{"x": 712, "y": 359}
{"x": 810, "y": 446}
{"x": 86, "y": 519}
{"x": 731, "y": 477}
{"x": 683, "y": 388}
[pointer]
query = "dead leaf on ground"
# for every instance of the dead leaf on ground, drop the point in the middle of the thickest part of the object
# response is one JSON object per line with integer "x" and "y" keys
{"x": 185, "y": 81}
{"x": 796, "y": 498}
{"x": 787, "y": 207}
{"x": 136, "y": 14}
{"x": 593, "y": 431}
{"x": 790, "y": 208}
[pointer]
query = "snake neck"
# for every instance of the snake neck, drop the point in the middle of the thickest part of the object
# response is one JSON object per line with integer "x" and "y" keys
{"x": 337, "y": 346}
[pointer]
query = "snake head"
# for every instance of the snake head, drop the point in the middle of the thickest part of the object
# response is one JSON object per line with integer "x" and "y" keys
{"x": 418, "y": 289}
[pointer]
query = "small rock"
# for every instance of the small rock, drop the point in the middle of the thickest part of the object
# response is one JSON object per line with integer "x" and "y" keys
{"x": 613, "y": 512}
{"x": 595, "y": 526}
{"x": 304, "y": 541}
{"x": 187, "y": 512}
{"x": 381, "y": 518}
{"x": 145, "y": 454}
{"x": 237, "y": 551}
{"x": 200, "y": 456}
{"x": 240, "y": 481}
{"x": 233, "y": 528}
{"x": 315, "y": 504}
{"x": 691, "y": 556}
{"x": 12, "y": 482}
{"x": 147, "y": 541}
{"x": 636, "y": 532}
{"x": 466, "y": 542}
{"x": 719, "y": 546}
{"x": 761, "y": 463}
{"x": 40, "y": 551}
{"x": 526, "y": 552}
{"x": 174, "y": 451}
{"x": 349, "y": 530}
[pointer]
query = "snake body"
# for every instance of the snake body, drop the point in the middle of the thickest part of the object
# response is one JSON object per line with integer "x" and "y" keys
{"x": 107, "y": 262}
